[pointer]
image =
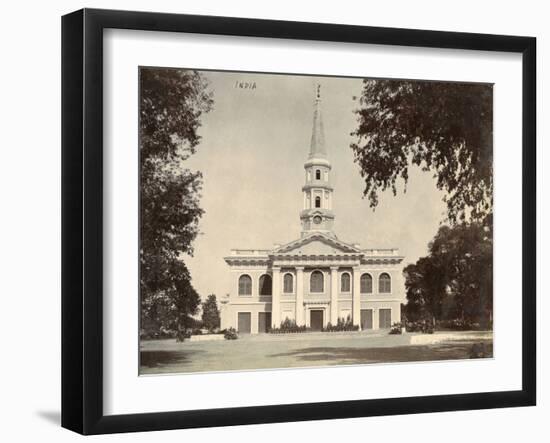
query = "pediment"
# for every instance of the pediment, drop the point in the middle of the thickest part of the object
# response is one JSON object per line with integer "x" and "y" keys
{"x": 317, "y": 244}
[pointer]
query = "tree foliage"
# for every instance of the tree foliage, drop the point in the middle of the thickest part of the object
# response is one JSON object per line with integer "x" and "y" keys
{"x": 210, "y": 313}
{"x": 442, "y": 127}
{"x": 455, "y": 280}
{"x": 171, "y": 104}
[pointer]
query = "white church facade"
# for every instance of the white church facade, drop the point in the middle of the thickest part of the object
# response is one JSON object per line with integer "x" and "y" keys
{"x": 318, "y": 278}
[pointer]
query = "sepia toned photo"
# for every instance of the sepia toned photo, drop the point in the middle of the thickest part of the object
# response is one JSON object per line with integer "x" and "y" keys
{"x": 295, "y": 221}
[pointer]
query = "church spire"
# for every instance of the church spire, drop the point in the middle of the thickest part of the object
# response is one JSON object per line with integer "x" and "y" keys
{"x": 317, "y": 148}
{"x": 317, "y": 215}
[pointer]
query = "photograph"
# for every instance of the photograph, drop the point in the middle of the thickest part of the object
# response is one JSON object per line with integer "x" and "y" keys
{"x": 295, "y": 221}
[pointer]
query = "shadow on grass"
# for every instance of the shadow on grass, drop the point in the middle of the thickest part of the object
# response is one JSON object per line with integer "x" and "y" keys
{"x": 352, "y": 355}
{"x": 156, "y": 359}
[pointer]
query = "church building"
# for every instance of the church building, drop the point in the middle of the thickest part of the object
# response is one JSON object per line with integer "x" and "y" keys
{"x": 317, "y": 278}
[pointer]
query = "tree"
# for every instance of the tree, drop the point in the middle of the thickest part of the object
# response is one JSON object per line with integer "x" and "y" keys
{"x": 455, "y": 280}
{"x": 210, "y": 313}
{"x": 171, "y": 104}
{"x": 442, "y": 127}
{"x": 425, "y": 287}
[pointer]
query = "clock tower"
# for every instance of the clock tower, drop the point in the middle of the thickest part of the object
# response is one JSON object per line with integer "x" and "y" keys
{"x": 317, "y": 214}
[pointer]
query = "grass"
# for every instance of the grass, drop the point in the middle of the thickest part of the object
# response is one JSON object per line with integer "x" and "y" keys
{"x": 301, "y": 350}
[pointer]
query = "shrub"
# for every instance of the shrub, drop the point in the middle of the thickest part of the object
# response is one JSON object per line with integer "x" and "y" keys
{"x": 424, "y": 326}
{"x": 288, "y": 326}
{"x": 458, "y": 324}
{"x": 182, "y": 334}
{"x": 231, "y": 334}
{"x": 341, "y": 325}
{"x": 396, "y": 329}
{"x": 157, "y": 335}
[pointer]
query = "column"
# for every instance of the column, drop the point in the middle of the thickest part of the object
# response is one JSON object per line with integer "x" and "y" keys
{"x": 300, "y": 319}
{"x": 276, "y": 298}
{"x": 356, "y": 296}
{"x": 333, "y": 294}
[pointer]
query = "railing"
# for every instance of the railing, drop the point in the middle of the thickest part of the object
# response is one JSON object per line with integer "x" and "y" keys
{"x": 381, "y": 252}
{"x": 368, "y": 252}
{"x": 248, "y": 252}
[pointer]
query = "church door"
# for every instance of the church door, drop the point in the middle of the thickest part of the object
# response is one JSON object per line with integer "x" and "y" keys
{"x": 385, "y": 319}
{"x": 366, "y": 319}
{"x": 243, "y": 323}
{"x": 316, "y": 320}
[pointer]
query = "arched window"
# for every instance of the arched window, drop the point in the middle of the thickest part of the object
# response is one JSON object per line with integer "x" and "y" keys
{"x": 384, "y": 283}
{"x": 316, "y": 282}
{"x": 317, "y": 202}
{"x": 245, "y": 285}
{"x": 317, "y": 174}
{"x": 266, "y": 285}
{"x": 288, "y": 283}
{"x": 366, "y": 284}
{"x": 345, "y": 282}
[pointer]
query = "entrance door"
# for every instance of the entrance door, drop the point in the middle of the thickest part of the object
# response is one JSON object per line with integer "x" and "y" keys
{"x": 366, "y": 319}
{"x": 316, "y": 318}
{"x": 244, "y": 322}
{"x": 385, "y": 319}
{"x": 264, "y": 321}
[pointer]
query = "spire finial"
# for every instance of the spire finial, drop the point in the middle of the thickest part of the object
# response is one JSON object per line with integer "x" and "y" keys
{"x": 317, "y": 149}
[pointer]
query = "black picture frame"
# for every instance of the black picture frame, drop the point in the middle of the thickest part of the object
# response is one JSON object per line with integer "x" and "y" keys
{"x": 82, "y": 218}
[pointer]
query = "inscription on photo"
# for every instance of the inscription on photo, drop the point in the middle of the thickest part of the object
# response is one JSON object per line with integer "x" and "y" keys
{"x": 249, "y": 85}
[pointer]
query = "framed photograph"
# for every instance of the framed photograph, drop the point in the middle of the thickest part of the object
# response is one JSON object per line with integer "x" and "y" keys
{"x": 269, "y": 221}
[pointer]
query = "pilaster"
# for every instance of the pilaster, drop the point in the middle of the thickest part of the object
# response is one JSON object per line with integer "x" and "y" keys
{"x": 333, "y": 294}
{"x": 300, "y": 318}
{"x": 276, "y": 298}
{"x": 356, "y": 296}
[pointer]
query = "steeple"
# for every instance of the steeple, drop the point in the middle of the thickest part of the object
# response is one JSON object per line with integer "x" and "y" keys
{"x": 317, "y": 148}
{"x": 317, "y": 213}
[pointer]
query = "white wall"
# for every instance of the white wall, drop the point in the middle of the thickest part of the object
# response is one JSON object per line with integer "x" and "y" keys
{"x": 30, "y": 222}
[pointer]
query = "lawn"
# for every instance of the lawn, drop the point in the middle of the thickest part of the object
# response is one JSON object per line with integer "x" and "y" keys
{"x": 303, "y": 350}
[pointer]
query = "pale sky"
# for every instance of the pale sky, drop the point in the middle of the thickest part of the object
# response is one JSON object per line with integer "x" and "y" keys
{"x": 254, "y": 145}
